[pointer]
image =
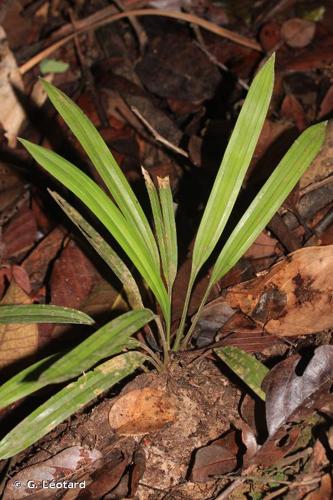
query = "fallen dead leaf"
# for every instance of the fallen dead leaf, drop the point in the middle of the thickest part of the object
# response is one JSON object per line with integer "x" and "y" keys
{"x": 139, "y": 467}
{"x": 294, "y": 297}
{"x": 219, "y": 457}
{"x": 322, "y": 165}
{"x": 142, "y": 411}
{"x": 288, "y": 391}
{"x": 17, "y": 340}
{"x": 298, "y": 33}
{"x": 59, "y": 467}
{"x": 325, "y": 490}
{"x": 12, "y": 114}
{"x": 107, "y": 477}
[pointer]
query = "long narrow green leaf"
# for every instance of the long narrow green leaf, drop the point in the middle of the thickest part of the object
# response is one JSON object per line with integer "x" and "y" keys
{"x": 67, "y": 401}
{"x": 105, "y": 251}
{"x": 158, "y": 218}
{"x": 170, "y": 233}
{"x": 40, "y": 313}
{"x": 25, "y": 382}
{"x": 107, "y": 341}
{"x": 106, "y": 211}
{"x": 235, "y": 162}
{"x": 103, "y": 160}
{"x": 247, "y": 367}
{"x": 270, "y": 197}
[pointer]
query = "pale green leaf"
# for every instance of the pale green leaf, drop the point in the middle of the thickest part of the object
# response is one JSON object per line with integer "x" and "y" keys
{"x": 53, "y": 66}
{"x": 269, "y": 199}
{"x": 246, "y": 367}
{"x": 40, "y": 313}
{"x": 107, "y": 213}
{"x": 234, "y": 165}
{"x": 170, "y": 233}
{"x": 104, "y": 162}
{"x": 104, "y": 250}
{"x": 107, "y": 341}
{"x": 158, "y": 218}
{"x": 68, "y": 401}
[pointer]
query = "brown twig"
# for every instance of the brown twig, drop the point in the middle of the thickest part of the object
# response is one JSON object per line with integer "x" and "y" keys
{"x": 157, "y": 136}
{"x": 181, "y": 16}
{"x": 316, "y": 185}
{"x": 136, "y": 26}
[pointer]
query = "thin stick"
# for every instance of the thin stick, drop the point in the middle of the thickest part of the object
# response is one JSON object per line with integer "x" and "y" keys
{"x": 157, "y": 136}
{"x": 136, "y": 26}
{"x": 181, "y": 16}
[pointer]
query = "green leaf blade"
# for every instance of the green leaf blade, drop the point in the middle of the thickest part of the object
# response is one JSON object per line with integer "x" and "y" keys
{"x": 105, "y": 342}
{"x": 107, "y": 212}
{"x": 67, "y": 401}
{"x": 40, "y": 313}
{"x": 270, "y": 197}
{"x": 170, "y": 233}
{"x": 234, "y": 165}
{"x": 104, "y": 250}
{"x": 158, "y": 218}
{"x": 25, "y": 382}
{"x": 246, "y": 367}
{"x": 107, "y": 167}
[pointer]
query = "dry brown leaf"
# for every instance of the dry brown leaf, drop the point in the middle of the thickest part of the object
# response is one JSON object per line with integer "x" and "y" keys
{"x": 57, "y": 468}
{"x": 215, "y": 459}
{"x": 294, "y": 297}
{"x": 142, "y": 411}
{"x": 12, "y": 114}
{"x": 298, "y": 33}
{"x": 17, "y": 340}
{"x": 322, "y": 166}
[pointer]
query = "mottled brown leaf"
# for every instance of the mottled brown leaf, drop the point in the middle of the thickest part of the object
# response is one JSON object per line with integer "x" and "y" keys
{"x": 142, "y": 411}
{"x": 294, "y": 297}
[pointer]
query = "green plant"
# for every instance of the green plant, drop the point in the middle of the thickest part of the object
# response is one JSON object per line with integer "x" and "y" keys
{"x": 155, "y": 258}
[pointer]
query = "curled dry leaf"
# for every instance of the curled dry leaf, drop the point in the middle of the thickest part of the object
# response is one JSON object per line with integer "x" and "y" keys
{"x": 294, "y": 297}
{"x": 12, "y": 114}
{"x": 287, "y": 391}
{"x": 219, "y": 457}
{"x": 298, "y": 33}
{"x": 59, "y": 467}
{"x": 142, "y": 411}
{"x": 17, "y": 340}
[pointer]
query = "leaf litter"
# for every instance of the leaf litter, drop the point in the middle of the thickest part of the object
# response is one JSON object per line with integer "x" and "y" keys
{"x": 200, "y": 399}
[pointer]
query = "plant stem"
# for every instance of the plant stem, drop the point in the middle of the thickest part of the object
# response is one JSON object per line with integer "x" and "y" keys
{"x": 152, "y": 358}
{"x": 163, "y": 340}
{"x": 180, "y": 331}
{"x": 196, "y": 317}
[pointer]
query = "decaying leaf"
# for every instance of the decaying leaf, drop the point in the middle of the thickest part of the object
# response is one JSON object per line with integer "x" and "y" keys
{"x": 219, "y": 457}
{"x": 12, "y": 114}
{"x": 59, "y": 467}
{"x": 108, "y": 476}
{"x": 294, "y": 297}
{"x": 142, "y": 411}
{"x": 288, "y": 391}
{"x": 298, "y": 33}
{"x": 322, "y": 165}
{"x": 17, "y": 340}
